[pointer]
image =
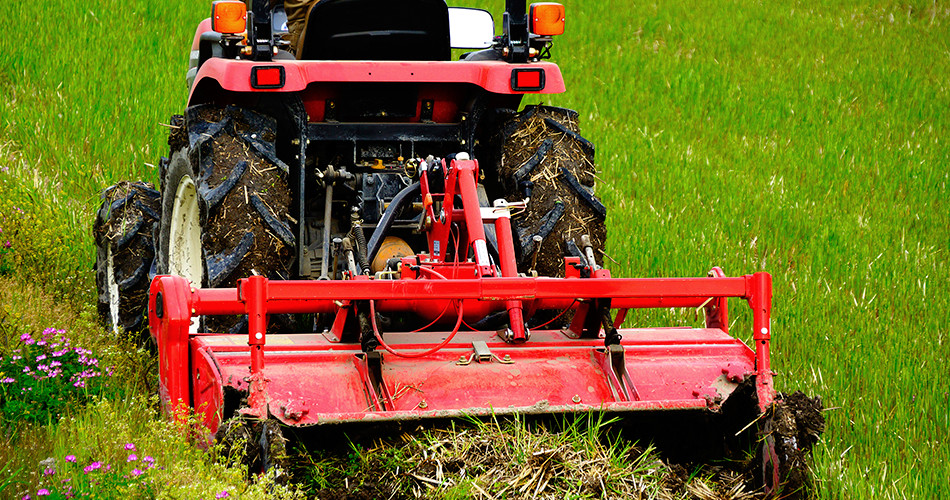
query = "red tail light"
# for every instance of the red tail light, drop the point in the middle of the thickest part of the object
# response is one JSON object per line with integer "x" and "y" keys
{"x": 529, "y": 79}
{"x": 267, "y": 77}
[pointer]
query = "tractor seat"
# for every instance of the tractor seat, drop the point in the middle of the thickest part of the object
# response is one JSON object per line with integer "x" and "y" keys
{"x": 385, "y": 30}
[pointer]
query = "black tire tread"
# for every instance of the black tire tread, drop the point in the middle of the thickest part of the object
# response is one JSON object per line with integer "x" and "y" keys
{"x": 543, "y": 144}
{"x": 244, "y": 196}
{"x": 124, "y": 223}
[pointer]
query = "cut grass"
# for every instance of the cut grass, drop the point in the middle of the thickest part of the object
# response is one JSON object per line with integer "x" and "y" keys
{"x": 808, "y": 140}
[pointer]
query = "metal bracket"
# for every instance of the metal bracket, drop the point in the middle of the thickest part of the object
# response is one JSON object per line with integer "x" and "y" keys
{"x": 624, "y": 384}
{"x": 483, "y": 353}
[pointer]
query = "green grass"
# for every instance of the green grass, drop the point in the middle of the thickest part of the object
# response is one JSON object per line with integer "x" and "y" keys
{"x": 806, "y": 139}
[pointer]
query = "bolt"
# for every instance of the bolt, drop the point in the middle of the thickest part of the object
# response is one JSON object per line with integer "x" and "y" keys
{"x": 423, "y": 405}
{"x": 507, "y": 357}
{"x": 576, "y": 399}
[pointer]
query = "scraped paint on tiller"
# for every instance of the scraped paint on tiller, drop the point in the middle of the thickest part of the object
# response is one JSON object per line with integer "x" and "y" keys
{"x": 356, "y": 372}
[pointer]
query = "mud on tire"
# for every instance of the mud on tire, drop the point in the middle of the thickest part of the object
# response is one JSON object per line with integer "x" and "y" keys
{"x": 542, "y": 145}
{"x": 124, "y": 254}
{"x": 242, "y": 195}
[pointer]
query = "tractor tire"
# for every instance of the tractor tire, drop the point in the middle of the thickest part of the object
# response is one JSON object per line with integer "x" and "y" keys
{"x": 125, "y": 254}
{"x": 225, "y": 203}
{"x": 542, "y": 146}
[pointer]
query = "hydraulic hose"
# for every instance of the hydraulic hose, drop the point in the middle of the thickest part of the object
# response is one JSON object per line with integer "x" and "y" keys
{"x": 379, "y": 336}
{"x": 386, "y": 221}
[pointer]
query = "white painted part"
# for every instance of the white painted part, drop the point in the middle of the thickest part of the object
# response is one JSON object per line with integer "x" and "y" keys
{"x": 470, "y": 28}
{"x": 481, "y": 253}
{"x": 489, "y": 214}
{"x": 765, "y": 330}
{"x": 184, "y": 238}
{"x": 113, "y": 288}
{"x": 463, "y": 156}
{"x": 258, "y": 335}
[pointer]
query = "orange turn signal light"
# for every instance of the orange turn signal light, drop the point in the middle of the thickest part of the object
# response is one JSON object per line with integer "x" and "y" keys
{"x": 229, "y": 17}
{"x": 546, "y": 18}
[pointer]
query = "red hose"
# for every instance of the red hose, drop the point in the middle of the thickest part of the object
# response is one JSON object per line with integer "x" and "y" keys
{"x": 379, "y": 338}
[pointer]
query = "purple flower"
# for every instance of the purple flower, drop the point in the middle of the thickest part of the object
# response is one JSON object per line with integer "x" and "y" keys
{"x": 7, "y": 244}
{"x": 26, "y": 497}
{"x": 136, "y": 472}
{"x": 7, "y": 380}
{"x": 70, "y": 458}
{"x": 223, "y": 494}
{"x": 149, "y": 460}
{"x": 130, "y": 446}
{"x": 91, "y": 467}
{"x": 27, "y": 339}
{"x": 49, "y": 471}
{"x": 132, "y": 458}
{"x": 42, "y": 492}
{"x": 41, "y": 357}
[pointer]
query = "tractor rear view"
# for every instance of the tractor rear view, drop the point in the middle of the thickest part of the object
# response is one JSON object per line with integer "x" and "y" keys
{"x": 358, "y": 229}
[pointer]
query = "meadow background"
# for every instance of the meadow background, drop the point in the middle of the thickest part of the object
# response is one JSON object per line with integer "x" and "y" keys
{"x": 807, "y": 139}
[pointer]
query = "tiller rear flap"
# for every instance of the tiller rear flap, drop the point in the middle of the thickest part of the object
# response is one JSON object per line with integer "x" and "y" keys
{"x": 357, "y": 370}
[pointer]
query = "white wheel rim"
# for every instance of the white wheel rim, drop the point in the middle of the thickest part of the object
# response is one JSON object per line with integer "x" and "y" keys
{"x": 113, "y": 289}
{"x": 184, "y": 237}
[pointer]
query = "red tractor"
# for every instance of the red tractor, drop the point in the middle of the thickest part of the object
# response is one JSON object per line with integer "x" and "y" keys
{"x": 361, "y": 229}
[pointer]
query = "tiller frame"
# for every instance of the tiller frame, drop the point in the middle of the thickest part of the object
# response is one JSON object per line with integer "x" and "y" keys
{"x": 340, "y": 375}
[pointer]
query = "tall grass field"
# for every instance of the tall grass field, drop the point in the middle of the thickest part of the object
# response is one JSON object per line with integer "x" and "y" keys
{"x": 807, "y": 139}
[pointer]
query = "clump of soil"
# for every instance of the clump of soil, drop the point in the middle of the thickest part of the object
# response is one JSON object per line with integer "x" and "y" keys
{"x": 794, "y": 423}
{"x": 543, "y": 146}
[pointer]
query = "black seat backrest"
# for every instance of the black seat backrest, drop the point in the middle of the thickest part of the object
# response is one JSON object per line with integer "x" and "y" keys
{"x": 387, "y": 30}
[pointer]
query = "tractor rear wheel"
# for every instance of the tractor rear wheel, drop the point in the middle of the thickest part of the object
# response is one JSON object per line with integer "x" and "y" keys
{"x": 225, "y": 202}
{"x": 541, "y": 151}
{"x": 124, "y": 254}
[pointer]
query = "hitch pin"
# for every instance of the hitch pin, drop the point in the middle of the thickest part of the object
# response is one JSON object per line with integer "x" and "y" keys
{"x": 537, "y": 249}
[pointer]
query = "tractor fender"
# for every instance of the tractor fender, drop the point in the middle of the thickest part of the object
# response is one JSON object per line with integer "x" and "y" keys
{"x": 235, "y": 75}
{"x": 203, "y": 26}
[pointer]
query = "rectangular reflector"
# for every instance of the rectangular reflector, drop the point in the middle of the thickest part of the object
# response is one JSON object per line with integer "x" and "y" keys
{"x": 527, "y": 79}
{"x": 267, "y": 77}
